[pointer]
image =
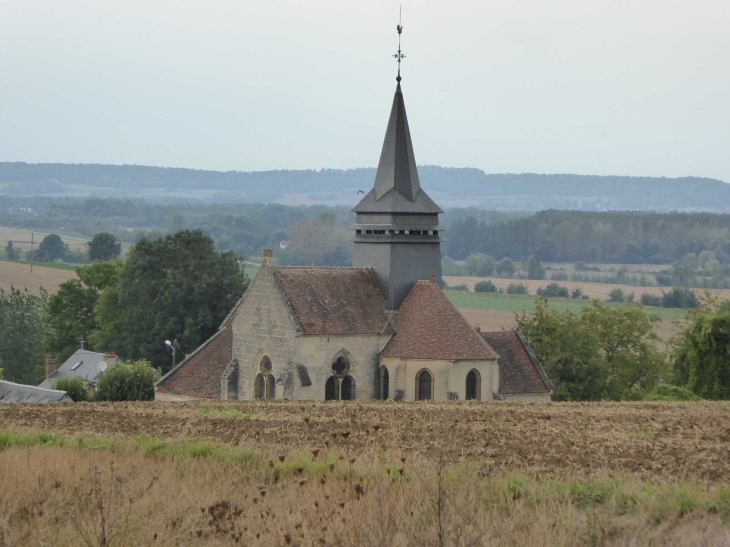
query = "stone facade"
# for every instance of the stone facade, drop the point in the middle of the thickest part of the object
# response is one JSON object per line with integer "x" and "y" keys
{"x": 263, "y": 326}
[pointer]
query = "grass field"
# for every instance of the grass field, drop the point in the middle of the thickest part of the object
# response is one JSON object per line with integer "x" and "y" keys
{"x": 18, "y": 275}
{"x": 304, "y": 473}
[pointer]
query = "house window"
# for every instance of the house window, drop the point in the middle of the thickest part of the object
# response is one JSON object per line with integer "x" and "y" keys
{"x": 424, "y": 385}
{"x": 473, "y": 385}
{"x": 340, "y": 386}
{"x": 384, "y": 383}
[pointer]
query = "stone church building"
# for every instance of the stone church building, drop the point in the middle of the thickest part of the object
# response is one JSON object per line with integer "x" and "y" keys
{"x": 382, "y": 329}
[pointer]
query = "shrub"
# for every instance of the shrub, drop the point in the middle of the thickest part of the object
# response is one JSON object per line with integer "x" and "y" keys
{"x": 560, "y": 276}
{"x": 616, "y": 295}
{"x": 663, "y": 280}
{"x": 461, "y": 287}
{"x": 553, "y": 290}
{"x": 133, "y": 381}
{"x": 668, "y": 392}
{"x": 651, "y": 299}
{"x": 680, "y": 297}
{"x": 517, "y": 288}
{"x": 485, "y": 286}
{"x": 576, "y": 292}
{"x": 585, "y": 297}
{"x": 75, "y": 387}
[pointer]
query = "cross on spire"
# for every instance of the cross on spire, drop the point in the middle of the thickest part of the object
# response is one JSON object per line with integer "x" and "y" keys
{"x": 399, "y": 56}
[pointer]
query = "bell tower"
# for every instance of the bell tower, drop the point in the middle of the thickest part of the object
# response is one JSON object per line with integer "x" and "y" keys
{"x": 397, "y": 230}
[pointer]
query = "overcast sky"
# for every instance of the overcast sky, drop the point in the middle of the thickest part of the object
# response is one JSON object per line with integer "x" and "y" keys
{"x": 624, "y": 87}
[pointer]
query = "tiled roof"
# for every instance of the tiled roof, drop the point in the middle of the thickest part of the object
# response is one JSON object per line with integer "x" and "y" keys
{"x": 428, "y": 326}
{"x": 333, "y": 300}
{"x": 519, "y": 370}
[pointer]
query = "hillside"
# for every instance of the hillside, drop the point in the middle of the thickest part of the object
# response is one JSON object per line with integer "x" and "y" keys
{"x": 450, "y": 187}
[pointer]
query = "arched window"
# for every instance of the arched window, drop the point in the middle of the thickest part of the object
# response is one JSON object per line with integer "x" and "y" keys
{"x": 331, "y": 389}
{"x": 384, "y": 383}
{"x": 473, "y": 385}
{"x": 340, "y": 385}
{"x": 259, "y": 387}
{"x": 265, "y": 383}
{"x": 424, "y": 386}
{"x": 270, "y": 387}
{"x": 348, "y": 388}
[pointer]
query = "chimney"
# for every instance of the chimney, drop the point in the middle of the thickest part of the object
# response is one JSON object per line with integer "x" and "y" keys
{"x": 433, "y": 278}
{"x": 110, "y": 358}
{"x": 51, "y": 365}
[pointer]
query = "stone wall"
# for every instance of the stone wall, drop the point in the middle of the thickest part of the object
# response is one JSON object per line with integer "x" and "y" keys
{"x": 318, "y": 353}
{"x": 263, "y": 325}
{"x": 449, "y": 377}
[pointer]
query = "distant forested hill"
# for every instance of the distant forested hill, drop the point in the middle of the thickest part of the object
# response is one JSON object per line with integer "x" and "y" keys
{"x": 450, "y": 187}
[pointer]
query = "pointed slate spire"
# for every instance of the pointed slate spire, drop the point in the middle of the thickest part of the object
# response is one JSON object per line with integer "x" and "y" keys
{"x": 397, "y": 166}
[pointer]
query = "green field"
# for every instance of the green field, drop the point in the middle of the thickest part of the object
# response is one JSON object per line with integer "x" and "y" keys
{"x": 523, "y": 302}
{"x": 56, "y": 265}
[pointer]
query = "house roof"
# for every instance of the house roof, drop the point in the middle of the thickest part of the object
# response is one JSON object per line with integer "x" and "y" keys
{"x": 397, "y": 188}
{"x": 19, "y": 393}
{"x": 89, "y": 367}
{"x": 519, "y": 369}
{"x": 333, "y": 300}
{"x": 428, "y": 326}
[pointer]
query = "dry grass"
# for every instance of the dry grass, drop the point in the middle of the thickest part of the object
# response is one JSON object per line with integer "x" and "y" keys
{"x": 21, "y": 239}
{"x": 57, "y": 490}
{"x": 19, "y": 276}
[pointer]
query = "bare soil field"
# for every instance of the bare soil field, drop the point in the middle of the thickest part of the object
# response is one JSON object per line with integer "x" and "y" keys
{"x": 643, "y": 439}
{"x": 19, "y": 276}
{"x": 593, "y": 290}
{"x": 21, "y": 239}
{"x": 347, "y": 474}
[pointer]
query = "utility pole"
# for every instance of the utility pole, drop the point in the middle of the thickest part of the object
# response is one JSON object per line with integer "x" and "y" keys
{"x": 32, "y": 237}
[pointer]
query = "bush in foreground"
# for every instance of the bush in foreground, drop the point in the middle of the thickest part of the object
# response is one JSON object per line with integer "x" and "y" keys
{"x": 133, "y": 381}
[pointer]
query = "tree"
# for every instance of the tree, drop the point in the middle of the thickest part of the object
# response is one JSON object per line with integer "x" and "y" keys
{"x": 75, "y": 387}
{"x": 480, "y": 265}
{"x": 51, "y": 248}
{"x": 701, "y": 354}
{"x": 134, "y": 381}
{"x": 71, "y": 312}
{"x": 616, "y": 295}
{"x": 22, "y": 318}
{"x": 601, "y": 353}
{"x": 553, "y": 290}
{"x": 104, "y": 246}
{"x": 506, "y": 267}
{"x": 11, "y": 252}
{"x": 534, "y": 268}
{"x": 176, "y": 287}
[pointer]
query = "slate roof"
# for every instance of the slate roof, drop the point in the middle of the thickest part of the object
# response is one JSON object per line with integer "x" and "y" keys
{"x": 19, "y": 393}
{"x": 333, "y": 300}
{"x": 397, "y": 188}
{"x": 428, "y": 326}
{"x": 88, "y": 369}
{"x": 519, "y": 369}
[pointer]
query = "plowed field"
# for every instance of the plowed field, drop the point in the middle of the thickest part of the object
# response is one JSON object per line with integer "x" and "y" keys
{"x": 646, "y": 440}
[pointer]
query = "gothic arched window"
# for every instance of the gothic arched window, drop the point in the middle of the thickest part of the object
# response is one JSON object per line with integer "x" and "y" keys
{"x": 259, "y": 391}
{"x": 473, "y": 385}
{"x": 384, "y": 379}
{"x": 340, "y": 385}
{"x": 331, "y": 388}
{"x": 270, "y": 387}
{"x": 264, "y": 383}
{"x": 348, "y": 389}
{"x": 424, "y": 385}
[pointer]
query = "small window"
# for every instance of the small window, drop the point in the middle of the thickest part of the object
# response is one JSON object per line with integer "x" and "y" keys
{"x": 384, "y": 383}
{"x": 77, "y": 365}
{"x": 424, "y": 386}
{"x": 473, "y": 386}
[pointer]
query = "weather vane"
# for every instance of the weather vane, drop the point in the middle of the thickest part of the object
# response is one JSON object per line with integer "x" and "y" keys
{"x": 399, "y": 56}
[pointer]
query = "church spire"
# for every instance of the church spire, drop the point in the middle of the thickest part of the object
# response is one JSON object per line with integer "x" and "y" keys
{"x": 397, "y": 167}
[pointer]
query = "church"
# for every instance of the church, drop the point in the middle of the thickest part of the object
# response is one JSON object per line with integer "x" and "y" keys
{"x": 379, "y": 330}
